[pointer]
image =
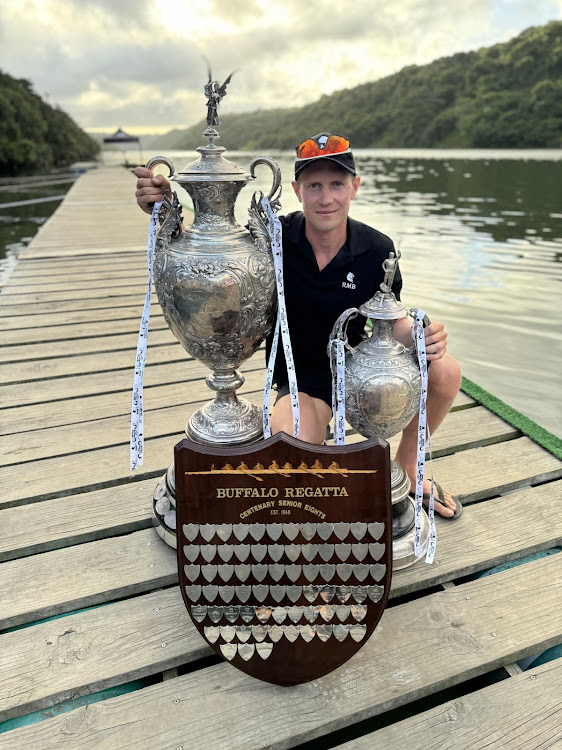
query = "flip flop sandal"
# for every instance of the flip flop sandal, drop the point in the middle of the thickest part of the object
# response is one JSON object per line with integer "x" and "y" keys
{"x": 441, "y": 498}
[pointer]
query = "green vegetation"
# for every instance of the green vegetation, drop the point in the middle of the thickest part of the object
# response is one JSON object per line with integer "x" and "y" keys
{"x": 35, "y": 136}
{"x": 505, "y": 96}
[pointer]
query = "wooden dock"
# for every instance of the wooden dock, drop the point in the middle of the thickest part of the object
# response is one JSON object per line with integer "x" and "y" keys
{"x": 76, "y": 539}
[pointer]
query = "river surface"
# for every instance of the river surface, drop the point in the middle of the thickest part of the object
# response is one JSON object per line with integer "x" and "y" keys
{"x": 480, "y": 234}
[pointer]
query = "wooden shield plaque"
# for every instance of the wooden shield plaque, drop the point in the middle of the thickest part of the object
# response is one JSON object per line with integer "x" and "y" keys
{"x": 284, "y": 551}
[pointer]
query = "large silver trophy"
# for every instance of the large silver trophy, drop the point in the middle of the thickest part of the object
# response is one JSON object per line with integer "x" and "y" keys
{"x": 382, "y": 395}
{"x": 216, "y": 286}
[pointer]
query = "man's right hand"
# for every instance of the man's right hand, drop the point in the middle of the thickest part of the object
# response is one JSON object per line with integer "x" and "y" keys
{"x": 150, "y": 188}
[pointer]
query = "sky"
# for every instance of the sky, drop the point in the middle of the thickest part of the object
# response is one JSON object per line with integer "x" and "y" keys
{"x": 139, "y": 64}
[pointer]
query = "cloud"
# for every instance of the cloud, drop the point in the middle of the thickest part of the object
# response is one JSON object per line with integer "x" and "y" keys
{"x": 140, "y": 62}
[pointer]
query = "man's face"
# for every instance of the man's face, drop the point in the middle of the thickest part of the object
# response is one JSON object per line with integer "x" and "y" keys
{"x": 325, "y": 191}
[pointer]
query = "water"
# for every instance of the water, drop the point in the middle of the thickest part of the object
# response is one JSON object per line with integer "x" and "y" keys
{"x": 19, "y": 224}
{"x": 481, "y": 239}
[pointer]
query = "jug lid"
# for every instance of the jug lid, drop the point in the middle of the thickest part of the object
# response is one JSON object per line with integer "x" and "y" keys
{"x": 211, "y": 166}
{"x": 384, "y": 305}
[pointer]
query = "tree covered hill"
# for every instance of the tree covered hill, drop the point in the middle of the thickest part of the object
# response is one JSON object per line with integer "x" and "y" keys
{"x": 505, "y": 96}
{"x": 35, "y": 136}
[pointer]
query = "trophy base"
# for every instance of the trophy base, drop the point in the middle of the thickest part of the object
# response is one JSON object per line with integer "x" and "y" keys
{"x": 403, "y": 555}
{"x": 226, "y": 423}
{"x": 403, "y": 521}
{"x": 164, "y": 508}
{"x": 164, "y": 497}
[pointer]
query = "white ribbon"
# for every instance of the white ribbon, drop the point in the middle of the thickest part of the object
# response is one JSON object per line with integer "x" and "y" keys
{"x": 137, "y": 413}
{"x": 338, "y": 393}
{"x": 280, "y": 325}
{"x": 418, "y": 337}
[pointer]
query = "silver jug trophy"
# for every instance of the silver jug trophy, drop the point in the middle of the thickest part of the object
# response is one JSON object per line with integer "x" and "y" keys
{"x": 216, "y": 286}
{"x": 382, "y": 395}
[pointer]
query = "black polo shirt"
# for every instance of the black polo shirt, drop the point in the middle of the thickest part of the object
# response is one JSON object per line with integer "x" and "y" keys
{"x": 316, "y": 298}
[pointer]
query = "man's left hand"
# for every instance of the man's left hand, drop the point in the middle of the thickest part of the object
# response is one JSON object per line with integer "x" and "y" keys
{"x": 435, "y": 341}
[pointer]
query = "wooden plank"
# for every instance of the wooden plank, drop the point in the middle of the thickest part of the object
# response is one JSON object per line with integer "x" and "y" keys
{"x": 494, "y": 469}
{"x": 31, "y": 268}
{"x": 79, "y": 284}
{"x": 79, "y": 248}
{"x": 520, "y": 713}
{"x": 22, "y": 325}
{"x": 49, "y": 570}
{"x": 118, "y": 378}
{"x": 42, "y": 369}
{"x": 67, "y": 475}
{"x": 103, "y": 432}
{"x": 95, "y": 650}
{"x": 83, "y": 576}
{"x": 28, "y": 267}
{"x": 105, "y": 467}
{"x": 78, "y": 268}
{"x": 98, "y": 431}
{"x": 53, "y": 306}
{"x": 8, "y": 300}
{"x": 77, "y": 410}
{"x": 462, "y": 430}
{"x": 451, "y": 636}
{"x": 63, "y": 522}
{"x": 100, "y": 383}
{"x": 63, "y": 278}
{"x": 487, "y": 471}
{"x": 490, "y": 534}
{"x": 63, "y": 331}
{"x": 26, "y": 353}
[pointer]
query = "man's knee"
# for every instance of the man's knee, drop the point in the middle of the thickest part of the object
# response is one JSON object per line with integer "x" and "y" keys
{"x": 445, "y": 376}
{"x": 313, "y": 418}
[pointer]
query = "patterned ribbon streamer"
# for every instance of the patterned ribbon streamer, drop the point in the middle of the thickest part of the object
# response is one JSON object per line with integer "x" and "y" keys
{"x": 137, "y": 413}
{"x": 336, "y": 352}
{"x": 419, "y": 340}
{"x": 280, "y": 325}
{"x": 338, "y": 393}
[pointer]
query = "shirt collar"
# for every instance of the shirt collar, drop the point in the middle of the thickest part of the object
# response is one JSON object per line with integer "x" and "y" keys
{"x": 357, "y": 241}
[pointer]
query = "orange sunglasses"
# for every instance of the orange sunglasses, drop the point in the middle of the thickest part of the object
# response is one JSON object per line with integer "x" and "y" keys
{"x": 336, "y": 144}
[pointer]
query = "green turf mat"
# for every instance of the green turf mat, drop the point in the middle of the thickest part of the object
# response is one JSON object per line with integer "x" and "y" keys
{"x": 510, "y": 415}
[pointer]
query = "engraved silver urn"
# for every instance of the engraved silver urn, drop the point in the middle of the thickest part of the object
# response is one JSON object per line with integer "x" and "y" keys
{"x": 382, "y": 395}
{"x": 216, "y": 286}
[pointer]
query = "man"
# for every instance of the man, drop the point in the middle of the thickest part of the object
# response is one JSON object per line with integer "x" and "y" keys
{"x": 332, "y": 262}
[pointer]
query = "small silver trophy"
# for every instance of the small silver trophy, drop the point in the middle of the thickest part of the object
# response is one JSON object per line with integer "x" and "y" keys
{"x": 382, "y": 395}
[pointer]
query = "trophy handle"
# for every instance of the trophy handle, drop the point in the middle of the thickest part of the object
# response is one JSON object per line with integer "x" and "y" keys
{"x": 425, "y": 322}
{"x": 160, "y": 160}
{"x": 272, "y": 164}
{"x": 412, "y": 313}
{"x": 339, "y": 333}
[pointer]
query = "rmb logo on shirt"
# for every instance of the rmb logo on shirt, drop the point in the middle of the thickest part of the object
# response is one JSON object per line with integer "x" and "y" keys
{"x": 348, "y": 284}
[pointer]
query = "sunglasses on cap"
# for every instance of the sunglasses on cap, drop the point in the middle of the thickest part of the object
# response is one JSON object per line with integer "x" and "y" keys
{"x": 333, "y": 144}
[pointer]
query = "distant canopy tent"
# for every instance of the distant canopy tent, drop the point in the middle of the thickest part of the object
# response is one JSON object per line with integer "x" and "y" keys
{"x": 120, "y": 138}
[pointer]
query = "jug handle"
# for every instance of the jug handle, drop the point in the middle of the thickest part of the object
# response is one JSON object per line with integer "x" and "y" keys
{"x": 425, "y": 322}
{"x": 151, "y": 163}
{"x": 339, "y": 333}
{"x": 168, "y": 204}
{"x": 339, "y": 330}
{"x": 272, "y": 164}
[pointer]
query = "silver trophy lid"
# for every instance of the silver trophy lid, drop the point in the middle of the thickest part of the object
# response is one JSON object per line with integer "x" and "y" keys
{"x": 212, "y": 166}
{"x": 384, "y": 305}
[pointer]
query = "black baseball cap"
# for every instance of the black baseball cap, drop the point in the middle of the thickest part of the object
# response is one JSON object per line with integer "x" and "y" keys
{"x": 334, "y": 148}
